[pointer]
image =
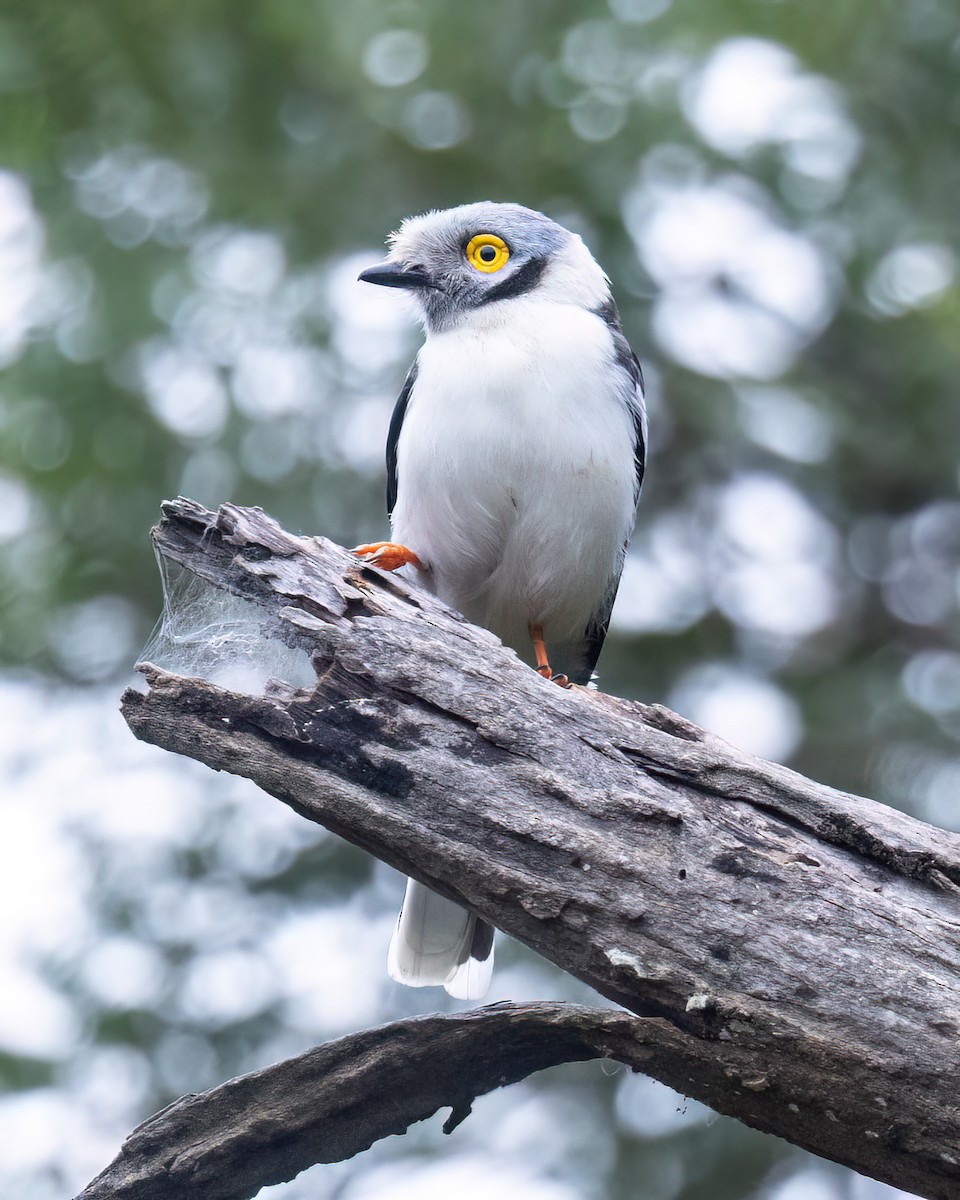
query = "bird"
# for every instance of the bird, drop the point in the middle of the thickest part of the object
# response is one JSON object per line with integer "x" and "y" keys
{"x": 515, "y": 455}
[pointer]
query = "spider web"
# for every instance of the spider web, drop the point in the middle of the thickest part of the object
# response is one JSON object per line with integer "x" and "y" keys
{"x": 208, "y": 633}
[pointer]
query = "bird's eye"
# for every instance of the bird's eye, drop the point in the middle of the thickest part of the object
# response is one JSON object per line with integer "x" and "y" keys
{"x": 487, "y": 252}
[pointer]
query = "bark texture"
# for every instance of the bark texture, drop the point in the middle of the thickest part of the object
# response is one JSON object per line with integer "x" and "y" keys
{"x": 798, "y": 947}
{"x": 338, "y": 1099}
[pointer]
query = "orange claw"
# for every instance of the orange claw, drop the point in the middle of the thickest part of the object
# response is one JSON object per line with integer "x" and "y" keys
{"x": 388, "y": 556}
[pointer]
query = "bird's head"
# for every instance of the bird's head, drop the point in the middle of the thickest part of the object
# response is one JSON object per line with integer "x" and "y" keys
{"x": 461, "y": 260}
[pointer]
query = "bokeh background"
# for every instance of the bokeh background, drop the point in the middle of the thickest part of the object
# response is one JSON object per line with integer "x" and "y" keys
{"x": 187, "y": 191}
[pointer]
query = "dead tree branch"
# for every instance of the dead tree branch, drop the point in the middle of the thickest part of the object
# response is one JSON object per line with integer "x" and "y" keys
{"x": 799, "y": 947}
{"x": 338, "y": 1099}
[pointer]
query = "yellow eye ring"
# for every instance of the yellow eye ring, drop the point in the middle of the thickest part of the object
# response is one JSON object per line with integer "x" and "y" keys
{"x": 487, "y": 252}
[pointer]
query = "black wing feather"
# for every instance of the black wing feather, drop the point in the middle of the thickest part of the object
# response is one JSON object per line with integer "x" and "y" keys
{"x": 393, "y": 436}
{"x": 629, "y": 363}
{"x": 597, "y": 630}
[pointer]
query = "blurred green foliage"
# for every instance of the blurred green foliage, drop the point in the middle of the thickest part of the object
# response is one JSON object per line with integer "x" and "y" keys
{"x": 183, "y": 183}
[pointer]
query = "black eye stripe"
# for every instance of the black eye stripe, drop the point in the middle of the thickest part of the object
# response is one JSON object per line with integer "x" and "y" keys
{"x": 524, "y": 279}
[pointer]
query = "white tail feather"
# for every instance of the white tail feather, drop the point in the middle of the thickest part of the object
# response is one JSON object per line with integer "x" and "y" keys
{"x": 472, "y": 979}
{"x": 431, "y": 945}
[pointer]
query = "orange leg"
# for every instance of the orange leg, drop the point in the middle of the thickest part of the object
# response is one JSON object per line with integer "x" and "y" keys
{"x": 389, "y": 556}
{"x": 540, "y": 650}
{"x": 543, "y": 663}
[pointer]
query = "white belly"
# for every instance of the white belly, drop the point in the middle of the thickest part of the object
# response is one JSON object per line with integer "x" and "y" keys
{"x": 515, "y": 470}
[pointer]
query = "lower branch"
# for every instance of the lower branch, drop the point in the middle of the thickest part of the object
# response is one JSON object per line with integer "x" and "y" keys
{"x": 336, "y": 1100}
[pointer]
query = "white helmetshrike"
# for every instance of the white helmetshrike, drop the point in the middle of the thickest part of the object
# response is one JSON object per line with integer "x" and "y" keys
{"x": 514, "y": 461}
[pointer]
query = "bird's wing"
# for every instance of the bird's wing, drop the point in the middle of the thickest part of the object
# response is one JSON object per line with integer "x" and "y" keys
{"x": 629, "y": 364}
{"x": 393, "y": 436}
{"x": 597, "y": 631}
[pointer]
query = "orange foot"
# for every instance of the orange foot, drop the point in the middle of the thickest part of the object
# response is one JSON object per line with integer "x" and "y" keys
{"x": 543, "y": 663}
{"x": 389, "y": 556}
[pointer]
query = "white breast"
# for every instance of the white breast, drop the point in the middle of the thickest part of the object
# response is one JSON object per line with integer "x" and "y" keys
{"x": 515, "y": 468}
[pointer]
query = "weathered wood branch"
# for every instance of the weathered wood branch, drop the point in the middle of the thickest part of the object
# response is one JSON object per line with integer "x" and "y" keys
{"x": 802, "y": 946}
{"x": 336, "y": 1100}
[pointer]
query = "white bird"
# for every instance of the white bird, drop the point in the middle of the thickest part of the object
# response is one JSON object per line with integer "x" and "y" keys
{"x": 514, "y": 462}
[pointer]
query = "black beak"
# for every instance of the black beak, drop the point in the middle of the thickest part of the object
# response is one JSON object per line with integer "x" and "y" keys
{"x": 390, "y": 274}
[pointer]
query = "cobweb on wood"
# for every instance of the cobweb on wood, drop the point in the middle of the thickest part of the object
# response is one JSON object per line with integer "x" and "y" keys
{"x": 208, "y": 633}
